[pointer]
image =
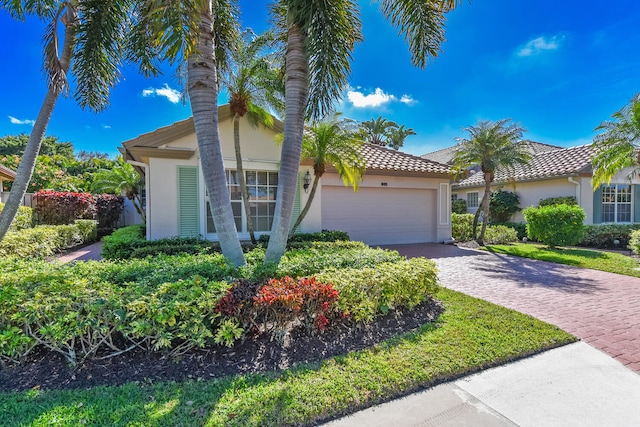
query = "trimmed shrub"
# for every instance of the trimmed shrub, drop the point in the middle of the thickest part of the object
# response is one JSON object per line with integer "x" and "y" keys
{"x": 519, "y": 227}
{"x": 605, "y": 235}
{"x": 23, "y": 218}
{"x": 634, "y": 242}
{"x": 462, "y": 227}
{"x": 108, "y": 210}
{"x": 499, "y": 235}
{"x": 319, "y": 236}
{"x": 555, "y": 225}
{"x": 563, "y": 200}
{"x": 87, "y": 229}
{"x": 367, "y": 292}
{"x": 60, "y": 207}
{"x": 459, "y": 206}
{"x": 502, "y": 206}
{"x": 123, "y": 241}
{"x": 46, "y": 240}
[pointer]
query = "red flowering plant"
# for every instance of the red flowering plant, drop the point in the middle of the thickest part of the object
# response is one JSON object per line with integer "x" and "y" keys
{"x": 282, "y": 302}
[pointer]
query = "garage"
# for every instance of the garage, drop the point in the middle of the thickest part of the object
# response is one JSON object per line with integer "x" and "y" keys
{"x": 381, "y": 216}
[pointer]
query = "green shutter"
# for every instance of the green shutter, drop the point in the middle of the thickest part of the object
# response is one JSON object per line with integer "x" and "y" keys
{"x": 597, "y": 206}
{"x": 296, "y": 207}
{"x": 188, "y": 202}
{"x": 636, "y": 203}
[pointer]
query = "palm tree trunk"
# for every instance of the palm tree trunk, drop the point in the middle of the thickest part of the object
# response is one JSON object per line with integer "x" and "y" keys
{"x": 296, "y": 94}
{"x": 485, "y": 208}
{"x": 241, "y": 180}
{"x": 30, "y": 155}
{"x": 203, "y": 93}
{"x": 308, "y": 204}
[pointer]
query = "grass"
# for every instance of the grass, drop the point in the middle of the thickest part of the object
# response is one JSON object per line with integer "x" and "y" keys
{"x": 470, "y": 335}
{"x": 587, "y": 258}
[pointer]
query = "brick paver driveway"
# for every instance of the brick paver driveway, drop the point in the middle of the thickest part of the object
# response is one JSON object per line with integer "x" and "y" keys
{"x": 603, "y": 309}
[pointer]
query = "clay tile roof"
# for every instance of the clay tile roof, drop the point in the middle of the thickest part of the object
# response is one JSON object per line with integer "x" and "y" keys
{"x": 547, "y": 164}
{"x": 385, "y": 159}
{"x": 6, "y": 173}
{"x": 446, "y": 155}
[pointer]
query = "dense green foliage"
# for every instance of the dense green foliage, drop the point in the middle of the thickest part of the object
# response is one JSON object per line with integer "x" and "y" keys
{"x": 555, "y": 225}
{"x": 23, "y": 218}
{"x": 318, "y": 236}
{"x": 459, "y": 206}
{"x": 520, "y": 227}
{"x": 564, "y": 200}
{"x": 502, "y": 206}
{"x": 123, "y": 241}
{"x": 606, "y": 235}
{"x": 14, "y": 145}
{"x": 462, "y": 227}
{"x": 634, "y": 242}
{"x": 500, "y": 235}
{"x": 46, "y": 240}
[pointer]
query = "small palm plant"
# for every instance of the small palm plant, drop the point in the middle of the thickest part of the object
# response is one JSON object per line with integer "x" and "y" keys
{"x": 122, "y": 178}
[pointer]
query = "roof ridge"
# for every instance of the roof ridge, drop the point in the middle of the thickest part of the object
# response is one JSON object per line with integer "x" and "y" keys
{"x": 391, "y": 150}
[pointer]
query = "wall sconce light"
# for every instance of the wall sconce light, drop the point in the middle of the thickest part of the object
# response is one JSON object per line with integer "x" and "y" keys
{"x": 307, "y": 181}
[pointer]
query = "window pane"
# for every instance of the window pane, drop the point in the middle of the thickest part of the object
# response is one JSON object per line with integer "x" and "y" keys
{"x": 251, "y": 177}
{"x": 263, "y": 224}
{"x": 273, "y": 178}
{"x": 263, "y": 209}
{"x": 608, "y": 212}
{"x": 236, "y": 207}
{"x": 233, "y": 178}
{"x": 210, "y": 227}
{"x": 262, "y": 178}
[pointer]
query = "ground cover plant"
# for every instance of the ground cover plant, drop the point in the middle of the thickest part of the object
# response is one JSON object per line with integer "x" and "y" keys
{"x": 46, "y": 240}
{"x": 612, "y": 262}
{"x": 471, "y": 334}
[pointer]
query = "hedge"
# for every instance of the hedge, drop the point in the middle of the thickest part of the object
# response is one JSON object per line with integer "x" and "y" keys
{"x": 23, "y": 218}
{"x": 555, "y": 225}
{"x": 46, "y": 240}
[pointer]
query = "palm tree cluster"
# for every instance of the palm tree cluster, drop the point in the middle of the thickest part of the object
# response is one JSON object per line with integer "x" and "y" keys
{"x": 319, "y": 40}
{"x": 385, "y": 133}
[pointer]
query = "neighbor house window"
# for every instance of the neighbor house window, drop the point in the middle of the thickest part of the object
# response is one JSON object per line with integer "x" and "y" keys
{"x": 472, "y": 200}
{"x": 262, "y": 187}
{"x": 616, "y": 203}
{"x": 454, "y": 197}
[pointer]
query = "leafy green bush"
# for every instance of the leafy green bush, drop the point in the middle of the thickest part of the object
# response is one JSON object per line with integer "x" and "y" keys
{"x": 605, "y": 235}
{"x": 499, "y": 235}
{"x": 555, "y": 225}
{"x": 45, "y": 240}
{"x": 319, "y": 236}
{"x": 23, "y": 218}
{"x": 364, "y": 293}
{"x": 87, "y": 229}
{"x": 123, "y": 241}
{"x": 459, "y": 206}
{"x": 462, "y": 227}
{"x": 634, "y": 242}
{"x": 502, "y": 206}
{"x": 520, "y": 227}
{"x": 563, "y": 200}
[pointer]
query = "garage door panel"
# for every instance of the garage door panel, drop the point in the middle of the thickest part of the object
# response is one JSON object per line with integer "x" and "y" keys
{"x": 380, "y": 216}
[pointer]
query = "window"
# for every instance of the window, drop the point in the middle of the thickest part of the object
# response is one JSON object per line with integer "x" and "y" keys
{"x": 454, "y": 197}
{"x": 472, "y": 200}
{"x": 616, "y": 203}
{"x": 262, "y": 188}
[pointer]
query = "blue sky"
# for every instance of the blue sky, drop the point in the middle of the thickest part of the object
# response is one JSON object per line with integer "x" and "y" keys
{"x": 556, "y": 67}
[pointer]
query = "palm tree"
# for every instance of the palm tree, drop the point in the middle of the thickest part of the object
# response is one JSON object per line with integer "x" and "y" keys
{"x": 377, "y": 131}
{"x": 618, "y": 147}
{"x": 122, "y": 178}
{"x": 398, "y": 135}
{"x": 491, "y": 145}
{"x": 320, "y": 39}
{"x": 254, "y": 82}
{"x": 94, "y": 38}
{"x": 199, "y": 33}
{"x": 333, "y": 141}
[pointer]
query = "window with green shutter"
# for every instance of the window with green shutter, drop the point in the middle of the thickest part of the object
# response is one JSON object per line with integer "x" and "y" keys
{"x": 188, "y": 202}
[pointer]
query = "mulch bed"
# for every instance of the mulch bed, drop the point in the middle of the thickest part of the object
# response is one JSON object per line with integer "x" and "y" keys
{"x": 48, "y": 370}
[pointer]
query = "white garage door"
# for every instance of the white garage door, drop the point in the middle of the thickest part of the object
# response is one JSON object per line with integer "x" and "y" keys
{"x": 381, "y": 216}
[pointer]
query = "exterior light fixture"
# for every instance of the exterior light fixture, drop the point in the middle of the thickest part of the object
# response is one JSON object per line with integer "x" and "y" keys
{"x": 307, "y": 181}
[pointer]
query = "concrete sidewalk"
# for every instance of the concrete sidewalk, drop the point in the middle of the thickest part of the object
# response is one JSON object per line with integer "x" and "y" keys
{"x": 575, "y": 385}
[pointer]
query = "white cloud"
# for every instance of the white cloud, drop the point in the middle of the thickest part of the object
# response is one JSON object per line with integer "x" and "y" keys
{"x": 540, "y": 44}
{"x": 106, "y": 127}
{"x": 172, "y": 95}
{"x": 376, "y": 99}
{"x": 407, "y": 99}
{"x": 21, "y": 122}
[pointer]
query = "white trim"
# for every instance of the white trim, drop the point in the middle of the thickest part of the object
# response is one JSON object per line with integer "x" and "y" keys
{"x": 147, "y": 189}
{"x": 444, "y": 203}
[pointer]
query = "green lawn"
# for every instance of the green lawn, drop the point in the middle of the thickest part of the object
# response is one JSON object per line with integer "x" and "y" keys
{"x": 587, "y": 258}
{"x": 471, "y": 335}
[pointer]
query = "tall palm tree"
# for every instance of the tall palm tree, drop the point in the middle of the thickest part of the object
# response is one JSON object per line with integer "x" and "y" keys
{"x": 320, "y": 39}
{"x": 255, "y": 85}
{"x": 333, "y": 141}
{"x": 92, "y": 49}
{"x": 378, "y": 131}
{"x": 122, "y": 178}
{"x": 200, "y": 33}
{"x": 491, "y": 145}
{"x": 398, "y": 135}
{"x": 618, "y": 147}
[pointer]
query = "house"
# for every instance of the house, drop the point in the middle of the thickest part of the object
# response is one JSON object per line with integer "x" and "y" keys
{"x": 402, "y": 199}
{"x": 558, "y": 173}
{"x": 6, "y": 174}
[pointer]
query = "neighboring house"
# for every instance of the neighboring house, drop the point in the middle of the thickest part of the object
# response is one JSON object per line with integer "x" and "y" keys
{"x": 402, "y": 199}
{"x": 558, "y": 173}
{"x": 446, "y": 155}
{"x": 6, "y": 174}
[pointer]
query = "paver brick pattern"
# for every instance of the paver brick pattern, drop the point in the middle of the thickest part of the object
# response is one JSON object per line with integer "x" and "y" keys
{"x": 603, "y": 309}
